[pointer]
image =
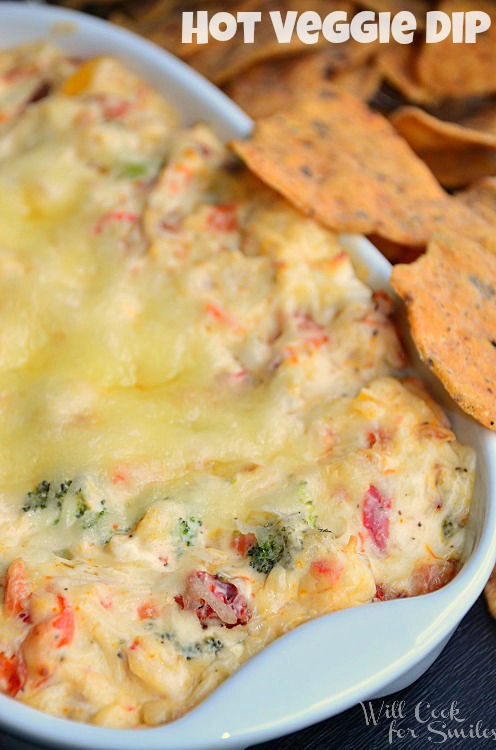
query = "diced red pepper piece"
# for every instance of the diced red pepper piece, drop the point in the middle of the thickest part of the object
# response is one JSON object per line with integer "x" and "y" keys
{"x": 114, "y": 217}
{"x": 147, "y": 611}
{"x": 17, "y": 592}
{"x": 328, "y": 569}
{"x": 12, "y": 674}
{"x": 214, "y": 600}
{"x": 64, "y": 622}
{"x": 376, "y": 516}
{"x": 222, "y": 218}
{"x": 242, "y": 542}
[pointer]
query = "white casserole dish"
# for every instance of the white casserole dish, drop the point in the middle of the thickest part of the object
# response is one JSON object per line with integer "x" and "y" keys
{"x": 331, "y": 663}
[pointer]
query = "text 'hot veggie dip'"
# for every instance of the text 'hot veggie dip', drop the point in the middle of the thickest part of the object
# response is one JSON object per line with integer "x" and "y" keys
{"x": 205, "y": 436}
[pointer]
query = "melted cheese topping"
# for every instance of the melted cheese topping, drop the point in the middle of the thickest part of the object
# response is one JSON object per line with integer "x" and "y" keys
{"x": 204, "y": 441}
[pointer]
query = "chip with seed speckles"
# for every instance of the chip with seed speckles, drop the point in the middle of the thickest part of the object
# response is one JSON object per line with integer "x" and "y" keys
{"x": 338, "y": 161}
{"x": 450, "y": 294}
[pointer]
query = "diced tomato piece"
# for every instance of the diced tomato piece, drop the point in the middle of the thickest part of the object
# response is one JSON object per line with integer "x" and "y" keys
{"x": 17, "y": 592}
{"x": 12, "y": 674}
{"x": 147, "y": 610}
{"x": 376, "y": 516}
{"x": 242, "y": 542}
{"x": 214, "y": 600}
{"x": 222, "y": 218}
{"x": 329, "y": 569}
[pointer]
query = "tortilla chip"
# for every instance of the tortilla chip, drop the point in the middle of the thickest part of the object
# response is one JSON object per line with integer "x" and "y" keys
{"x": 490, "y": 593}
{"x": 419, "y": 8}
{"x": 481, "y": 199}
{"x": 484, "y": 119}
{"x": 336, "y": 160}
{"x": 455, "y": 153}
{"x": 455, "y": 170}
{"x": 79, "y": 4}
{"x": 362, "y": 82}
{"x": 397, "y": 64}
{"x": 223, "y": 61}
{"x": 155, "y": 11}
{"x": 263, "y": 89}
{"x": 427, "y": 133}
{"x": 455, "y": 70}
{"x": 166, "y": 32}
{"x": 268, "y": 86}
{"x": 450, "y": 294}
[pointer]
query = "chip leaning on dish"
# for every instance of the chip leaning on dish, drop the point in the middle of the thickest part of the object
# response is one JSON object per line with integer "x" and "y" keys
{"x": 206, "y": 435}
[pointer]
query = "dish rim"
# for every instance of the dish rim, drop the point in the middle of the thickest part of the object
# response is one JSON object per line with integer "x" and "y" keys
{"x": 425, "y": 621}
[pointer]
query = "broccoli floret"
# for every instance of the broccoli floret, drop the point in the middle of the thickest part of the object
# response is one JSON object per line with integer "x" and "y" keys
{"x": 63, "y": 489}
{"x": 90, "y": 517}
{"x": 52, "y": 496}
{"x": 81, "y": 505}
{"x": 188, "y": 529}
{"x": 272, "y": 547}
{"x": 42, "y": 498}
{"x": 37, "y": 499}
{"x": 209, "y": 645}
{"x": 212, "y": 644}
{"x": 449, "y": 527}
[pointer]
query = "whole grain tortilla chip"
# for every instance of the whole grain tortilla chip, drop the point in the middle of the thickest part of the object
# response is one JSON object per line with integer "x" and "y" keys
{"x": 362, "y": 82}
{"x": 222, "y": 61}
{"x": 149, "y": 12}
{"x": 161, "y": 23}
{"x": 424, "y": 132}
{"x": 397, "y": 63}
{"x": 490, "y": 593}
{"x": 419, "y": 8}
{"x": 455, "y": 170}
{"x": 459, "y": 70}
{"x": 79, "y": 4}
{"x": 455, "y": 153}
{"x": 336, "y": 160}
{"x": 273, "y": 84}
{"x": 450, "y": 295}
{"x": 484, "y": 119}
{"x": 263, "y": 89}
{"x": 481, "y": 199}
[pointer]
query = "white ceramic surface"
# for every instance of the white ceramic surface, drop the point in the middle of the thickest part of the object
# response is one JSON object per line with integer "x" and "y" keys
{"x": 331, "y": 663}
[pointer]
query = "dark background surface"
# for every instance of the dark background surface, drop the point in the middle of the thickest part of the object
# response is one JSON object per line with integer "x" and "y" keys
{"x": 465, "y": 672}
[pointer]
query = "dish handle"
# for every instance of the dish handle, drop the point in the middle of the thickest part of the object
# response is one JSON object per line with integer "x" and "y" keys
{"x": 324, "y": 667}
